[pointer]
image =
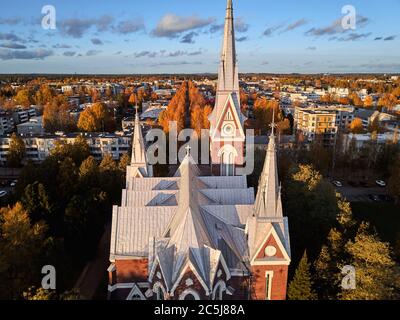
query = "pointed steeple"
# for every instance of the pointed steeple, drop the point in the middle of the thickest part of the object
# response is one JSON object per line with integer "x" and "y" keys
{"x": 268, "y": 195}
{"x": 228, "y": 79}
{"x": 139, "y": 166}
{"x": 227, "y": 112}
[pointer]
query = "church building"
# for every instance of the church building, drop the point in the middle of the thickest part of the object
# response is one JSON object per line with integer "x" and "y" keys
{"x": 195, "y": 237}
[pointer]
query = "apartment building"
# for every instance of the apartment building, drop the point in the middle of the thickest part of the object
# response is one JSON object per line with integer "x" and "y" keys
{"x": 22, "y": 116}
{"x": 313, "y": 122}
{"x": 6, "y": 123}
{"x": 39, "y": 147}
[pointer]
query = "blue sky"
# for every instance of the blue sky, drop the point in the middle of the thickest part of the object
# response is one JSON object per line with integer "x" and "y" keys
{"x": 184, "y": 36}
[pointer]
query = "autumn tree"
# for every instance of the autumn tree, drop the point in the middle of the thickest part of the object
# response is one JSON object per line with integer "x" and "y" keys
{"x": 368, "y": 102}
{"x": 388, "y": 101}
{"x": 21, "y": 243}
{"x": 176, "y": 110}
{"x": 356, "y": 126}
{"x": 34, "y": 293}
{"x": 44, "y": 95}
{"x": 263, "y": 111}
{"x": 133, "y": 100}
{"x": 301, "y": 287}
{"x": 377, "y": 274}
{"x": 36, "y": 201}
{"x": 95, "y": 95}
{"x": 124, "y": 162}
{"x": 16, "y": 152}
{"x": 312, "y": 208}
{"x": 331, "y": 257}
{"x": 78, "y": 150}
{"x": 56, "y": 115}
{"x": 97, "y": 118}
{"x": 89, "y": 172}
{"x": 24, "y": 98}
{"x": 355, "y": 99}
{"x": 199, "y": 111}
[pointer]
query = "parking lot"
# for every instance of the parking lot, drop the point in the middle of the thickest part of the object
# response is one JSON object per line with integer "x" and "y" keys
{"x": 364, "y": 194}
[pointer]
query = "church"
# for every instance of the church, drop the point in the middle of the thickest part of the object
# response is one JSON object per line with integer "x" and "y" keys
{"x": 196, "y": 237}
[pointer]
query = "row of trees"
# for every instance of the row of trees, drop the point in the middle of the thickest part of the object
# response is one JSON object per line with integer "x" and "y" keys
{"x": 199, "y": 110}
{"x": 187, "y": 104}
{"x": 387, "y": 100}
{"x": 63, "y": 206}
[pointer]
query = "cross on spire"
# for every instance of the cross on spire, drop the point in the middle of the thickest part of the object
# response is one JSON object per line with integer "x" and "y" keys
{"x": 273, "y": 125}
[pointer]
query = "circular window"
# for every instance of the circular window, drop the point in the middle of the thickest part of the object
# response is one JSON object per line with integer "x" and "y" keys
{"x": 270, "y": 251}
{"x": 228, "y": 130}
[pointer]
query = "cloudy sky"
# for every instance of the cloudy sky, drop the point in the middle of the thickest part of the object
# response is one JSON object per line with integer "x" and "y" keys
{"x": 184, "y": 36}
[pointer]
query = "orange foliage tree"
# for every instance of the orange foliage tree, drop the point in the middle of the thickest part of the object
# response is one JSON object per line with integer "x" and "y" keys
{"x": 97, "y": 118}
{"x": 56, "y": 115}
{"x": 176, "y": 110}
{"x": 356, "y": 126}
{"x": 263, "y": 111}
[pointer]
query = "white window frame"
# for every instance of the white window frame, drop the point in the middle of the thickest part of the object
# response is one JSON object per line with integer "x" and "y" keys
{"x": 268, "y": 277}
{"x": 187, "y": 292}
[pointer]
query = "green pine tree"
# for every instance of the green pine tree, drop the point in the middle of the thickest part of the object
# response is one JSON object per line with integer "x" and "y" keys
{"x": 300, "y": 288}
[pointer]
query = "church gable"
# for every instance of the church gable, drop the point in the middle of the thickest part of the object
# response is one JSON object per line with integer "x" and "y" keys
{"x": 271, "y": 249}
{"x": 189, "y": 280}
{"x": 228, "y": 125}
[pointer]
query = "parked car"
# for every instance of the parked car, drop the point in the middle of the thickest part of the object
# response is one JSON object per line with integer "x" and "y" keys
{"x": 3, "y": 193}
{"x": 13, "y": 183}
{"x": 380, "y": 183}
{"x": 337, "y": 184}
{"x": 374, "y": 197}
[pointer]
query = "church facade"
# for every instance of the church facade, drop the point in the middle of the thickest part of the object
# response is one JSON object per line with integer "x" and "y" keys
{"x": 195, "y": 237}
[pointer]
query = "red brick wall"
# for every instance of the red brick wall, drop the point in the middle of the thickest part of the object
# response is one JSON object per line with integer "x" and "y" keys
{"x": 279, "y": 282}
{"x": 131, "y": 270}
{"x": 196, "y": 286}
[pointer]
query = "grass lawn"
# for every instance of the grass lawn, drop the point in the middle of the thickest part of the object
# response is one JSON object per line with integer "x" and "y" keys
{"x": 385, "y": 217}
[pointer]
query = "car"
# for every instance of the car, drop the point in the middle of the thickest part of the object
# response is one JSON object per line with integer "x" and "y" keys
{"x": 13, "y": 183}
{"x": 337, "y": 184}
{"x": 380, "y": 183}
{"x": 3, "y": 193}
{"x": 374, "y": 197}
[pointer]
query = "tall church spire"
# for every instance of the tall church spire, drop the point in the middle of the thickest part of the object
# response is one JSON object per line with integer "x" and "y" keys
{"x": 228, "y": 79}
{"x": 227, "y": 121}
{"x": 268, "y": 196}
{"x": 139, "y": 166}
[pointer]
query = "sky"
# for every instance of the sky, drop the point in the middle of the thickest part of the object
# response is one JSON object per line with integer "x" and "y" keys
{"x": 185, "y": 36}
